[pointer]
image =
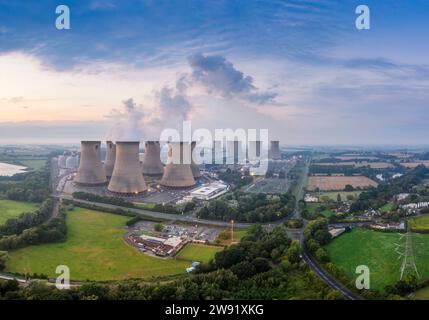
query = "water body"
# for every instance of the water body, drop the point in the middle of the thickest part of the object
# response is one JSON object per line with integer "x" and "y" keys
{"x": 7, "y": 169}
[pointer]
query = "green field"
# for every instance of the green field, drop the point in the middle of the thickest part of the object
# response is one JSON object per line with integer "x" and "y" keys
{"x": 420, "y": 223}
{"x": 94, "y": 250}
{"x": 34, "y": 164}
{"x": 311, "y": 207}
{"x": 377, "y": 251}
{"x": 144, "y": 206}
{"x": 333, "y": 195}
{"x": 198, "y": 252}
{"x": 225, "y": 237}
{"x": 11, "y": 209}
{"x": 387, "y": 207}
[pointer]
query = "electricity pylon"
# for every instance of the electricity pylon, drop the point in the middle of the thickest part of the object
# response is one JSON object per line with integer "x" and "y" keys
{"x": 408, "y": 262}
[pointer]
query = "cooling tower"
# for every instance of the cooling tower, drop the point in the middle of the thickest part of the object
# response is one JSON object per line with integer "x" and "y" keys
{"x": 234, "y": 152}
{"x": 91, "y": 171}
{"x": 152, "y": 164}
{"x": 253, "y": 151}
{"x": 127, "y": 177}
{"x": 275, "y": 151}
{"x": 178, "y": 172}
{"x": 109, "y": 162}
{"x": 194, "y": 167}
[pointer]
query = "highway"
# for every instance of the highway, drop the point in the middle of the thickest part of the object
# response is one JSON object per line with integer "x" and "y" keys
{"x": 326, "y": 277}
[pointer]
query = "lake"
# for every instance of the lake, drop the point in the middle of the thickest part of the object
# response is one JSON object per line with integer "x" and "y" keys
{"x": 7, "y": 169}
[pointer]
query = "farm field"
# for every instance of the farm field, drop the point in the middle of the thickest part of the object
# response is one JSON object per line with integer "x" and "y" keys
{"x": 373, "y": 165}
{"x": 420, "y": 223}
{"x": 94, "y": 250}
{"x": 329, "y": 183}
{"x": 34, "y": 164}
{"x": 412, "y": 165}
{"x": 198, "y": 252}
{"x": 11, "y": 209}
{"x": 378, "y": 251}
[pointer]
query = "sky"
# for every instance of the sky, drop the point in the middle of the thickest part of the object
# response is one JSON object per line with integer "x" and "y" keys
{"x": 131, "y": 68}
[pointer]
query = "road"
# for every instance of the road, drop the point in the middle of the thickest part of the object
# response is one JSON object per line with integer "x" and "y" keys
{"x": 326, "y": 277}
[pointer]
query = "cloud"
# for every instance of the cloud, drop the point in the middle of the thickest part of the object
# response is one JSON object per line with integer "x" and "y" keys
{"x": 127, "y": 122}
{"x": 219, "y": 76}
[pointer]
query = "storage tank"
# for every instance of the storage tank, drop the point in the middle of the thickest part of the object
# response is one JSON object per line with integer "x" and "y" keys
{"x": 275, "y": 150}
{"x": 194, "y": 167}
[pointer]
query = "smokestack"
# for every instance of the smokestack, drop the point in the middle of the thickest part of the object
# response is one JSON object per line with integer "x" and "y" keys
{"x": 109, "y": 162}
{"x": 152, "y": 164}
{"x": 127, "y": 177}
{"x": 194, "y": 167}
{"x": 91, "y": 171}
{"x": 275, "y": 151}
{"x": 178, "y": 173}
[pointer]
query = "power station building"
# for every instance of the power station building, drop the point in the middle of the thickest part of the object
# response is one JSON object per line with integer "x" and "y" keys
{"x": 152, "y": 164}
{"x": 178, "y": 172}
{"x": 127, "y": 177}
{"x": 91, "y": 171}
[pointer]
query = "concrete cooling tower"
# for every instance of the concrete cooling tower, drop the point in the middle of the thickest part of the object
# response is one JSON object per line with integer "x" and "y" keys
{"x": 275, "y": 151}
{"x": 253, "y": 151}
{"x": 234, "y": 152}
{"x": 109, "y": 162}
{"x": 152, "y": 164}
{"x": 194, "y": 167}
{"x": 91, "y": 171}
{"x": 178, "y": 172}
{"x": 127, "y": 177}
{"x": 72, "y": 162}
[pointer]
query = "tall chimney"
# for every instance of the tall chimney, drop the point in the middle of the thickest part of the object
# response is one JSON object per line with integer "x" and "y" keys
{"x": 152, "y": 164}
{"x": 91, "y": 171}
{"x": 109, "y": 162}
{"x": 127, "y": 177}
{"x": 178, "y": 173}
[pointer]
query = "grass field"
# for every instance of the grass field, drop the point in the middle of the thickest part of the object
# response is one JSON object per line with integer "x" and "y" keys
{"x": 11, "y": 209}
{"x": 311, "y": 207}
{"x": 34, "y": 164}
{"x": 387, "y": 207}
{"x": 422, "y": 294}
{"x": 94, "y": 250}
{"x": 420, "y": 223}
{"x": 377, "y": 251}
{"x": 334, "y": 194}
{"x": 144, "y": 206}
{"x": 225, "y": 238}
{"x": 329, "y": 183}
{"x": 198, "y": 252}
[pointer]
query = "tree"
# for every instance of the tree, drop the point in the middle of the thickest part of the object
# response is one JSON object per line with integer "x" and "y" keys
{"x": 3, "y": 259}
{"x": 339, "y": 197}
{"x": 158, "y": 227}
{"x": 348, "y": 187}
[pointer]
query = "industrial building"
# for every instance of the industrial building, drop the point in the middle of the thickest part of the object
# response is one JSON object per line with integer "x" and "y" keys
{"x": 91, "y": 171}
{"x": 109, "y": 162}
{"x": 208, "y": 192}
{"x": 126, "y": 176}
{"x": 152, "y": 164}
{"x": 178, "y": 172}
